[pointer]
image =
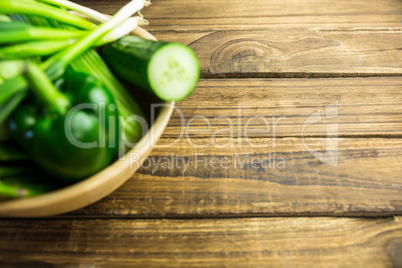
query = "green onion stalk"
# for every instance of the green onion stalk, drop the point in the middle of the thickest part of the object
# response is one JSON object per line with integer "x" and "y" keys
{"x": 90, "y": 13}
{"x": 35, "y": 8}
{"x": 33, "y": 49}
{"x": 11, "y": 32}
{"x": 9, "y": 99}
{"x": 47, "y": 45}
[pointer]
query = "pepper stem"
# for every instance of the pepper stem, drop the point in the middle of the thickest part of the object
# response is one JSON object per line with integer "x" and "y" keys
{"x": 44, "y": 89}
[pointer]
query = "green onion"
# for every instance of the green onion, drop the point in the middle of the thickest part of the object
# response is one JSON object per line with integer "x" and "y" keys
{"x": 4, "y": 18}
{"x": 90, "y": 13}
{"x": 12, "y": 86}
{"x": 11, "y": 81}
{"x": 56, "y": 65}
{"x": 9, "y": 69}
{"x": 81, "y": 9}
{"x": 8, "y": 107}
{"x": 49, "y": 47}
{"x": 33, "y": 49}
{"x": 44, "y": 89}
{"x": 11, "y": 32}
{"x": 39, "y": 9}
{"x": 118, "y": 32}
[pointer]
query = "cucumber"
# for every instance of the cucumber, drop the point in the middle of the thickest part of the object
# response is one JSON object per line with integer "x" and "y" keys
{"x": 168, "y": 70}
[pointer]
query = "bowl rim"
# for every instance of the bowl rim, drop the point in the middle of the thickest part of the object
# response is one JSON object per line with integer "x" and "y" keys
{"x": 99, "y": 185}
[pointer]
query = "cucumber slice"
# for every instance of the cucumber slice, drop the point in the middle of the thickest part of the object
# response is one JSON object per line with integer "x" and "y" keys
{"x": 168, "y": 70}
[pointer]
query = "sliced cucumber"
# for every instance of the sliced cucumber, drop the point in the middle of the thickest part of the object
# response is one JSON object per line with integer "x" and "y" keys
{"x": 169, "y": 70}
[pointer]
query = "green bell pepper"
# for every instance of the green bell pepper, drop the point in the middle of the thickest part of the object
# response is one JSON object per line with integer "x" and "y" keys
{"x": 76, "y": 134}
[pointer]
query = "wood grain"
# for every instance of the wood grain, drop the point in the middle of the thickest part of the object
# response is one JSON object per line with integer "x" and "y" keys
{"x": 281, "y": 38}
{"x": 254, "y": 242}
{"x": 281, "y": 179}
{"x": 299, "y": 53}
{"x": 249, "y": 39}
{"x": 279, "y": 107}
{"x": 304, "y": 53}
{"x": 187, "y": 174}
{"x": 210, "y": 15}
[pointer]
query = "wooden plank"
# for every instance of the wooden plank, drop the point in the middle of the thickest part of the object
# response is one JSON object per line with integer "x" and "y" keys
{"x": 303, "y": 53}
{"x": 281, "y": 38}
{"x": 300, "y": 53}
{"x": 209, "y": 15}
{"x": 366, "y": 180}
{"x": 255, "y": 242}
{"x": 281, "y": 107}
{"x": 280, "y": 179}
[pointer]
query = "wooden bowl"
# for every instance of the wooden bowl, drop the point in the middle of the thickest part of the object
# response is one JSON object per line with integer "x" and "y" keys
{"x": 96, "y": 187}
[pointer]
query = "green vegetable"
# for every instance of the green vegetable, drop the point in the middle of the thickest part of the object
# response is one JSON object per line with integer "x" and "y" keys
{"x": 24, "y": 186}
{"x": 12, "y": 92}
{"x": 68, "y": 144}
{"x": 10, "y": 153}
{"x": 78, "y": 8}
{"x": 9, "y": 106}
{"x": 4, "y": 135}
{"x": 9, "y": 98}
{"x": 129, "y": 110}
{"x": 10, "y": 69}
{"x": 23, "y": 181}
{"x": 49, "y": 47}
{"x": 33, "y": 49}
{"x": 169, "y": 70}
{"x": 11, "y": 32}
{"x": 39, "y": 129}
{"x": 4, "y": 18}
{"x": 28, "y": 7}
{"x": 13, "y": 171}
{"x": 56, "y": 65}
{"x": 91, "y": 63}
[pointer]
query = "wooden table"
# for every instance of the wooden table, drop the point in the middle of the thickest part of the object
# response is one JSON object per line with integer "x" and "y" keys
{"x": 299, "y": 167}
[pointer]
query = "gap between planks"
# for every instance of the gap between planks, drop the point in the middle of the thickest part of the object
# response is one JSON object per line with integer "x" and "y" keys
{"x": 365, "y": 182}
{"x": 275, "y": 108}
